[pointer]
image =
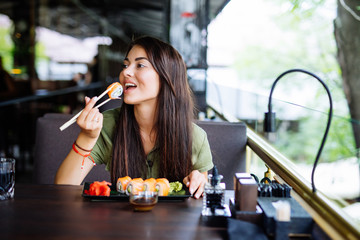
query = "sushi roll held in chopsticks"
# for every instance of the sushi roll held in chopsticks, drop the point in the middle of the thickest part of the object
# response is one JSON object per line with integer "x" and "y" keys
{"x": 122, "y": 183}
{"x": 135, "y": 186}
{"x": 115, "y": 90}
{"x": 162, "y": 186}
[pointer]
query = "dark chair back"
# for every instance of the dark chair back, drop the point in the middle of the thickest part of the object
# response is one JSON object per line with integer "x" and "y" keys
{"x": 227, "y": 142}
{"x": 228, "y": 146}
{"x": 53, "y": 145}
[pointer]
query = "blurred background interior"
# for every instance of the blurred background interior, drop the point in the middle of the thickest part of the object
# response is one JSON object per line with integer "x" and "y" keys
{"x": 54, "y": 52}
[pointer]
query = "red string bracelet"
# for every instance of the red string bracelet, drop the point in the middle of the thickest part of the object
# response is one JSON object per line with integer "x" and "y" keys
{"x": 84, "y": 155}
{"x": 85, "y": 150}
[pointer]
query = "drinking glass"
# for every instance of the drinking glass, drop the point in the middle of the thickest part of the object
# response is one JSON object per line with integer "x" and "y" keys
{"x": 7, "y": 178}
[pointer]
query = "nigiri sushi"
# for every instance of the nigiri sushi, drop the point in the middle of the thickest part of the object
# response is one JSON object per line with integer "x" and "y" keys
{"x": 134, "y": 186}
{"x": 162, "y": 186}
{"x": 122, "y": 183}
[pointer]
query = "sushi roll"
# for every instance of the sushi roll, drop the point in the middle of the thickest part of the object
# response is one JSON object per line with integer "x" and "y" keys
{"x": 162, "y": 186}
{"x": 149, "y": 184}
{"x": 115, "y": 90}
{"x": 135, "y": 186}
{"x": 122, "y": 183}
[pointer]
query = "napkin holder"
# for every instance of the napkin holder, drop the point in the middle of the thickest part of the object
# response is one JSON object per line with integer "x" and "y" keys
{"x": 244, "y": 204}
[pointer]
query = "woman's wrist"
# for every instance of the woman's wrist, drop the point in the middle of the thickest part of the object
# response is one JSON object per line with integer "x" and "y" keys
{"x": 83, "y": 149}
{"x": 84, "y": 155}
{"x": 85, "y": 143}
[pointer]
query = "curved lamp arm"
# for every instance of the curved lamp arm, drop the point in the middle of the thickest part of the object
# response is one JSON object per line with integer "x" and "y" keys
{"x": 269, "y": 122}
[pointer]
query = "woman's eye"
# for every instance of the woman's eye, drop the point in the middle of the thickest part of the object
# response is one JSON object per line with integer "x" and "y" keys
{"x": 140, "y": 65}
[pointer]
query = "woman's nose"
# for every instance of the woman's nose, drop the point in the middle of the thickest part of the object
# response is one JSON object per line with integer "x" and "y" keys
{"x": 128, "y": 71}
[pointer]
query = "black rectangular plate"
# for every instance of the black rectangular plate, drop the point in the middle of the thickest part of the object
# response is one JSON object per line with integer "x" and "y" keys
{"x": 116, "y": 196}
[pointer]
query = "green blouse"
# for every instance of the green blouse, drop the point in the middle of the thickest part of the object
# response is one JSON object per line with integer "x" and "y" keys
{"x": 102, "y": 151}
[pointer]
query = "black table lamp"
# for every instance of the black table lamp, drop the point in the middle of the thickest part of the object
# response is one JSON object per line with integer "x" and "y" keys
{"x": 269, "y": 121}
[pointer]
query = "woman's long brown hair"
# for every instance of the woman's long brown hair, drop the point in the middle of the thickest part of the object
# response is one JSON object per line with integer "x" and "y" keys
{"x": 174, "y": 120}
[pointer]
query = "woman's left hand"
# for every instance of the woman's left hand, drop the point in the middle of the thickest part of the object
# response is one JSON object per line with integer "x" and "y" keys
{"x": 195, "y": 181}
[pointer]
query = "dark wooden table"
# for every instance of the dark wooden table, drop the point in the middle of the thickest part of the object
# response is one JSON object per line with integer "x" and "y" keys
{"x": 60, "y": 212}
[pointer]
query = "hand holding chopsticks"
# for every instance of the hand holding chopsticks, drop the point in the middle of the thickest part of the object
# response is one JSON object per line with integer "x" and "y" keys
{"x": 114, "y": 91}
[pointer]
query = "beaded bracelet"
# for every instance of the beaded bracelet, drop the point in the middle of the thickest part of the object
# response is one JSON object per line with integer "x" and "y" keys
{"x": 83, "y": 155}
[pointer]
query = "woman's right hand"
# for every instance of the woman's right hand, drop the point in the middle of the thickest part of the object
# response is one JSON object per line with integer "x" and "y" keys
{"x": 90, "y": 120}
{"x": 75, "y": 167}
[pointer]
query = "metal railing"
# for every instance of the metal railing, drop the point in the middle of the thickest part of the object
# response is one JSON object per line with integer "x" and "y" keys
{"x": 325, "y": 212}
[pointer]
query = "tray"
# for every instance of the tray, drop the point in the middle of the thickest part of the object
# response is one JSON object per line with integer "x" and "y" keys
{"x": 116, "y": 196}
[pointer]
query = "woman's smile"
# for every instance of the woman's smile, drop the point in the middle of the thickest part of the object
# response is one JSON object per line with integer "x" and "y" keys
{"x": 129, "y": 86}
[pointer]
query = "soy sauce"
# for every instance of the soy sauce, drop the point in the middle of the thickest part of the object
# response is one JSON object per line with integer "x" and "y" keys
{"x": 214, "y": 200}
{"x": 143, "y": 204}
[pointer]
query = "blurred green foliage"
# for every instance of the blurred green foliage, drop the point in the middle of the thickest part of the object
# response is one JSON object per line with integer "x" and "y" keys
{"x": 6, "y": 48}
{"x": 306, "y": 41}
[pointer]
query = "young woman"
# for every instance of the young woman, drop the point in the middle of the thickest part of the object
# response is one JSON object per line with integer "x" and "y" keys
{"x": 152, "y": 134}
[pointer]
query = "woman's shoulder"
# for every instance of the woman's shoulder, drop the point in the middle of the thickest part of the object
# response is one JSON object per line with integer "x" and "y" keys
{"x": 199, "y": 134}
{"x": 197, "y": 129}
{"x": 201, "y": 152}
